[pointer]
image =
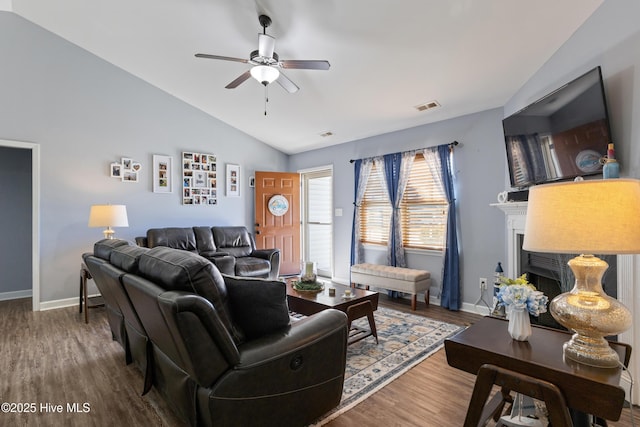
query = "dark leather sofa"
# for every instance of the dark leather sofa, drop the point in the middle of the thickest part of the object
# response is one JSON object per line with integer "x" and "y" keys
{"x": 232, "y": 248}
{"x": 222, "y": 350}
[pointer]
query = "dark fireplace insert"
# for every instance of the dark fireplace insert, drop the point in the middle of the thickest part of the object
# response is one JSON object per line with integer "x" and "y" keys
{"x": 550, "y": 274}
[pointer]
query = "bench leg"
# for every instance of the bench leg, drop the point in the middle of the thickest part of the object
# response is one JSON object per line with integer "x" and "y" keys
{"x": 426, "y": 297}
{"x": 414, "y": 302}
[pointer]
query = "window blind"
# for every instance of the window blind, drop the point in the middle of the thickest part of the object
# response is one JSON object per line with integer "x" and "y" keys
{"x": 423, "y": 210}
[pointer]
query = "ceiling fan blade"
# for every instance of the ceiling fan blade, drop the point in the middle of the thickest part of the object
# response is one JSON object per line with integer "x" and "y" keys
{"x": 287, "y": 84}
{"x": 266, "y": 45}
{"x": 224, "y": 58}
{"x": 305, "y": 65}
{"x": 237, "y": 82}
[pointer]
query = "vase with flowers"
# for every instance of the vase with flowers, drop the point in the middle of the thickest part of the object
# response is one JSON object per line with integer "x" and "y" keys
{"x": 520, "y": 299}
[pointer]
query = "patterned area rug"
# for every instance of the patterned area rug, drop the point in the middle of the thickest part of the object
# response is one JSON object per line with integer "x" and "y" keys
{"x": 404, "y": 341}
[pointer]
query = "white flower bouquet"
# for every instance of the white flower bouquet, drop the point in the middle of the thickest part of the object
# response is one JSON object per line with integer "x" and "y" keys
{"x": 519, "y": 294}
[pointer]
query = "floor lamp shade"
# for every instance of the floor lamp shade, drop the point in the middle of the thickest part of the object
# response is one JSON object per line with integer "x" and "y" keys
{"x": 108, "y": 216}
{"x": 586, "y": 218}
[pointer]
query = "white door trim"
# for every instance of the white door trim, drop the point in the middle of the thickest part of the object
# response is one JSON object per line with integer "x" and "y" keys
{"x": 35, "y": 215}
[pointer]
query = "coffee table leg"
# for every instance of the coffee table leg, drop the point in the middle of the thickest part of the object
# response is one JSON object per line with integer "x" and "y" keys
{"x": 356, "y": 311}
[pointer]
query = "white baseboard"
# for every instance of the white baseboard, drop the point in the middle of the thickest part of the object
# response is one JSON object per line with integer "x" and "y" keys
{"x": 4, "y": 296}
{"x": 61, "y": 303}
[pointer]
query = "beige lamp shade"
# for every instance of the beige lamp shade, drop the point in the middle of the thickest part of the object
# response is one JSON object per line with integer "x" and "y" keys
{"x": 108, "y": 216}
{"x": 585, "y": 217}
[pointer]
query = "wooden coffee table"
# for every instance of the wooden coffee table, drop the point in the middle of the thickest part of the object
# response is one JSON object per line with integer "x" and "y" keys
{"x": 363, "y": 303}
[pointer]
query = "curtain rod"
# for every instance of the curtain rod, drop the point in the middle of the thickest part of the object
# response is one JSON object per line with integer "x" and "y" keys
{"x": 451, "y": 145}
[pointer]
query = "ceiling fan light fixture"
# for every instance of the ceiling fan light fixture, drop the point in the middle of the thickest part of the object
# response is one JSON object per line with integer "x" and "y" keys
{"x": 265, "y": 74}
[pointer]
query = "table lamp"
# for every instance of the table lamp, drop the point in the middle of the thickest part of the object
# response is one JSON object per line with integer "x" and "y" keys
{"x": 586, "y": 217}
{"x": 108, "y": 216}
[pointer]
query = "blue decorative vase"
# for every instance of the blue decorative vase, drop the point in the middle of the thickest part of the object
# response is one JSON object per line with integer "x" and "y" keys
{"x": 611, "y": 169}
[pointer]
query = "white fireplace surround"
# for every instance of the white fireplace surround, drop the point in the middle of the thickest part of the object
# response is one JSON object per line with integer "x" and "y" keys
{"x": 628, "y": 270}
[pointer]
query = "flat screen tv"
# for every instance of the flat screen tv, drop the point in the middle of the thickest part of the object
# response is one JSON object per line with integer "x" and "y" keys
{"x": 561, "y": 136}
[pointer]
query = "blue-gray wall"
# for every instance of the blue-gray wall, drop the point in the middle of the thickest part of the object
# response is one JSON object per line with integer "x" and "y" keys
{"x": 480, "y": 163}
{"x": 609, "y": 38}
{"x": 86, "y": 113}
{"x": 15, "y": 220}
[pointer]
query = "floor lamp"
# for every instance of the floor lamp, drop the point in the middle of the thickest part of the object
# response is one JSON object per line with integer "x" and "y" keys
{"x": 586, "y": 217}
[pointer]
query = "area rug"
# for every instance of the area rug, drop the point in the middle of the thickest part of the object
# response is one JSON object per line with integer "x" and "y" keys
{"x": 404, "y": 340}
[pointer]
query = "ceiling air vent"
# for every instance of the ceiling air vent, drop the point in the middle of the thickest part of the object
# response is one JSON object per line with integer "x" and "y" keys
{"x": 326, "y": 134}
{"x": 427, "y": 106}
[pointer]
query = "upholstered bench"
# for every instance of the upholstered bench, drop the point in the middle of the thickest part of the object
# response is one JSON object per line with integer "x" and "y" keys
{"x": 407, "y": 280}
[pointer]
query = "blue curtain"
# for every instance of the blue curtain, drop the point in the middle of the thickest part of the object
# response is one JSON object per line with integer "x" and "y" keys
{"x": 362, "y": 170}
{"x": 395, "y": 257}
{"x": 451, "y": 272}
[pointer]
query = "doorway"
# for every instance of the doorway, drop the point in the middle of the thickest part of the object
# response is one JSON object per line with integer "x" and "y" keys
{"x": 34, "y": 226}
{"x": 317, "y": 218}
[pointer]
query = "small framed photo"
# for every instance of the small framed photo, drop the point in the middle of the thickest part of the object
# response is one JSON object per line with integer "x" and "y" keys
{"x": 199, "y": 179}
{"x": 162, "y": 171}
{"x": 129, "y": 175}
{"x": 233, "y": 180}
{"x": 126, "y": 163}
{"x": 116, "y": 170}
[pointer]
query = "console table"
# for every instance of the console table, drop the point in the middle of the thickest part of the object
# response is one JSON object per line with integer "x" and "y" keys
{"x": 84, "y": 298}
{"x": 586, "y": 389}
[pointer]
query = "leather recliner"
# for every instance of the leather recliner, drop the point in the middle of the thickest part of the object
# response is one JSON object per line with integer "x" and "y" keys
{"x": 209, "y": 363}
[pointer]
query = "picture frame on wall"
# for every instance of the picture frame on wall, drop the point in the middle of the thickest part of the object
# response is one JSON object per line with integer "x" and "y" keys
{"x": 233, "y": 180}
{"x": 199, "y": 179}
{"x": 116, "y": 170}
{"x": 162, "y": 172}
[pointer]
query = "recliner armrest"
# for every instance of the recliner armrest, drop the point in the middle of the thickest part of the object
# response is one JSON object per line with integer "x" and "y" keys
{"x": 264, "y": 253}
{"x": 299, "y": 334}
{"x": 213, "y": 254}
{"x": 271, "y": 255}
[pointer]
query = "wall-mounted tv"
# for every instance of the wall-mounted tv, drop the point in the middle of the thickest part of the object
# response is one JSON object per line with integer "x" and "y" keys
{"x": 561, "y": 136}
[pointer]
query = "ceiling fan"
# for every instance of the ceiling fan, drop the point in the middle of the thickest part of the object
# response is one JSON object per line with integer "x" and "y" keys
{"x": 266, "y": 63}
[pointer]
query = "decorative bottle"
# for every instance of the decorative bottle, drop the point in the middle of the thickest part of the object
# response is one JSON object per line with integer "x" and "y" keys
{"x": 611, "y": 168}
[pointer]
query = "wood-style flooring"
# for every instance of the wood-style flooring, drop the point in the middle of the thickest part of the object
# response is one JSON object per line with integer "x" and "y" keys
{"x": 54, "y": 360}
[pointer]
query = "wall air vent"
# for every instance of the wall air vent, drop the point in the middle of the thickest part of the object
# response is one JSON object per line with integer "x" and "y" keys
{"x": 427, "y": 106}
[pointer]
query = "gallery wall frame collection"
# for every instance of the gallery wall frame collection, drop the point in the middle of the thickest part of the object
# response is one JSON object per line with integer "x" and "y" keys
{"x": 199, "y": 179}
{"x": 199, "y": 176}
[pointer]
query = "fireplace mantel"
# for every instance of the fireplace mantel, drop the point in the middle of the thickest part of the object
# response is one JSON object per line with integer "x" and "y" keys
{"x": 516, "y": 214}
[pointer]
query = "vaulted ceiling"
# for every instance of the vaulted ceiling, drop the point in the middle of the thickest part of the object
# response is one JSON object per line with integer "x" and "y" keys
{"x": 387, "y": 57}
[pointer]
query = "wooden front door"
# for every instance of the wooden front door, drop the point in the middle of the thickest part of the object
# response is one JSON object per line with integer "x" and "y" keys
{"x": 280, "y": 226}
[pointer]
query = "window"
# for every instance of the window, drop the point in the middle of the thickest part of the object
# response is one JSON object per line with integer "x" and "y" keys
{"x": 423, "y": 210}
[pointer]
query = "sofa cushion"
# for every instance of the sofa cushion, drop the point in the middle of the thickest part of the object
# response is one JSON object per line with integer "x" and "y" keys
{"x": 236, "y": 241}
{"x": 204, "y": 240}
{"x": 178, "y": 270}
{"x": 127, "y": 258}
{"x": 172, "y": 237}
{"x": 102, "y": 248}
{"x": 258, "y": 306}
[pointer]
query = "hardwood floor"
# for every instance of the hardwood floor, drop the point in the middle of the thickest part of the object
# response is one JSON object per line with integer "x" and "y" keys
{"x": 430, "y": 394}
{"x": 53, "y": 357}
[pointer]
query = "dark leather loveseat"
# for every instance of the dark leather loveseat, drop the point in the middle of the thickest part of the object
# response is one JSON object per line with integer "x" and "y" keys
{"x": 222, "y": 350}
{"x": 232, "y": 249}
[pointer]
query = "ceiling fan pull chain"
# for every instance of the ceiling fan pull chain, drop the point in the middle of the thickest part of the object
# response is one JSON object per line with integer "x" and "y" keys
{"x": 266, "y": 98}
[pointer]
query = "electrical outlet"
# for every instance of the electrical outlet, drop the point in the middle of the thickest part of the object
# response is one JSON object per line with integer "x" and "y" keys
{"x": 483, "y": 283}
